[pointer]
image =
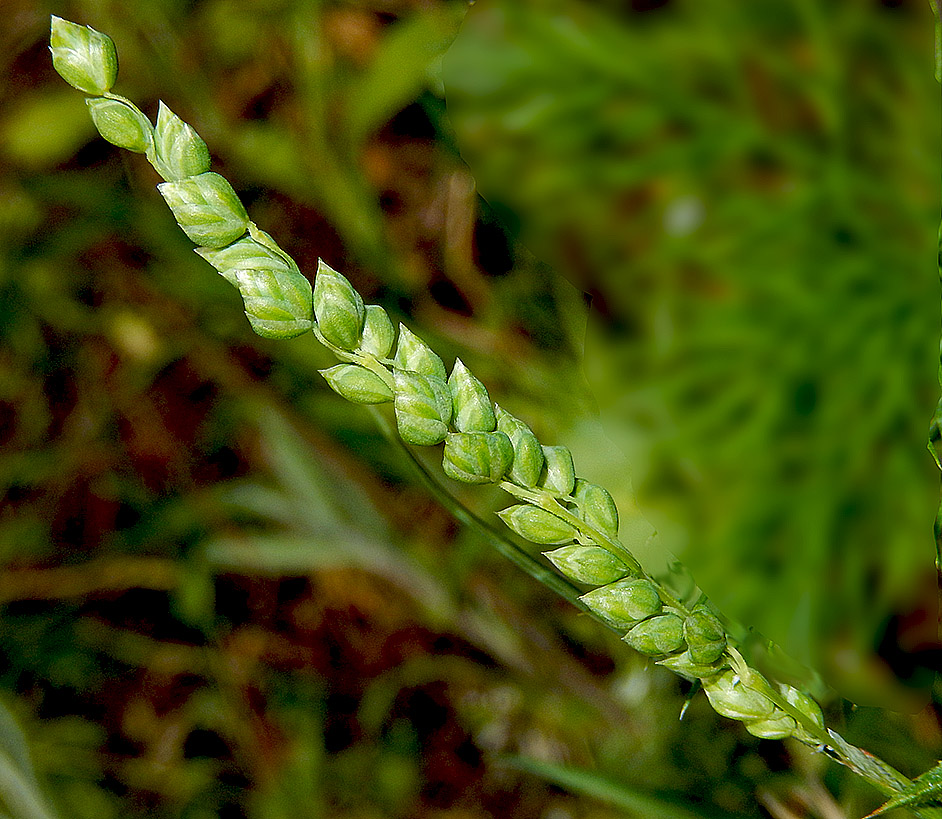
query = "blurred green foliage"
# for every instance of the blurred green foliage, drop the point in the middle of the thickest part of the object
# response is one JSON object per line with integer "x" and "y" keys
{"x": 223, "y": 594}
{"x": 749, "y": 193}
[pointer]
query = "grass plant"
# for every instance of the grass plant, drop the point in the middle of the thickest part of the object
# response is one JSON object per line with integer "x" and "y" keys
{"x": 574, "y": 520}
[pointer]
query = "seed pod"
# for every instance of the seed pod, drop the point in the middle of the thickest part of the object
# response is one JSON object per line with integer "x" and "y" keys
{"x": 596, "y": 507}
{"x": 731, "y": 698}
{"x": 378, "y": 332}
{"x": 423, "y": 408}
{"x": 473, "y": 409}
{"x": 537, "y": 525}
{"x": 357, "y": 384}
{"x": 559, "y": 475}
{"x": 179, "y": 151}
{"x": 86, "y": 59}
{"x": 121, "y": 124}
{"x": 477, "y": 457}
{"x": 625, "y": 602}
{"x": 659, "y": 635}
{"x": 414, "y": 354}
{"x": 683, "y": 664}
{"x": 528, "y": 454}
{"x": 207, "y": 209}
{"x": 338, "y": 308}
{"x": 777, "y": 726}
{"x": 246, "y": 253}
{"x": 705, "y": 636}
{"x": 808, "y": 707}
{"x": 278, "y": 305}
{"x": 588, "y": 564}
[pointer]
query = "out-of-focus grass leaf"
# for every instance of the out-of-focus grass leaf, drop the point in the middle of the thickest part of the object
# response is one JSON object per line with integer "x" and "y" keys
{"x": 45, "y": 128}
{"x": 20, "y": 795}
{"x": 13, "y": 743}
{"x": 287, "y": 554}
{"x": 919, "y": 794}
{"x": 298, "y": 791}
{"x": 751, "y": 203}
{"x": 598, "y": 786}
{"x": 20, "y": 792}
{"x": 400, "y": 69}
{"x": 314, "y": 522}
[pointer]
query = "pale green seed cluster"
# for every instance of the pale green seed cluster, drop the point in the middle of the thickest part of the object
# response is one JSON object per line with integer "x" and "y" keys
{"x": 277, "y": 296}
{"x": 482, "y": 442}
{"x": 746, "y": 697}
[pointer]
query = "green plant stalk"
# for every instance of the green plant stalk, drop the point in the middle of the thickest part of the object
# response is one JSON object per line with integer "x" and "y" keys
{"x": 547, "y": 501}
{"x": 506, "y": 547}
{"x": 431, "y": 408}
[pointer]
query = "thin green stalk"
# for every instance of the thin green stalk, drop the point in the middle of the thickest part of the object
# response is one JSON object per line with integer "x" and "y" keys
{"x": 506, "y": 547}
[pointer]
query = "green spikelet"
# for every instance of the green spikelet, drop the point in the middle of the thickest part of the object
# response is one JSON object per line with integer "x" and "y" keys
{"x": 528, "y": 454}
{"x": 378, "y": 332}
{"x": 657, "y": 636}
{"x": 477, "y": 457}
{"x": 473, "y": 409}
{"x": 559, "y": 476}
{"x": 588, "y": 564}
{"x": 537, "y": 525}
{"x": 414, "y": 354}
{"x": 625, "y": 602}
{"x": 357, "y": 384}
{"x": 338, "y": 308}
{"x": 207, "y": 208}
{"x": 121, "y": 124}
{"x": 86, "y": 59}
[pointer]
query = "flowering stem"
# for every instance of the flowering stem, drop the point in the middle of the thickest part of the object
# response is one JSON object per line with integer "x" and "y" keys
{"x": 506, "y": 547}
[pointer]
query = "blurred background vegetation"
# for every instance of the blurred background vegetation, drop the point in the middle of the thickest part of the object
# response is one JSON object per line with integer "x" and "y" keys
{"x": 224, "y": 595}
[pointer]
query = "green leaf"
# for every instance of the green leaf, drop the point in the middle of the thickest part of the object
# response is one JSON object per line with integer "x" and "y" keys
{"x": 20, "y": 792}
{"x": 13, "y": 742}
{"x": 925, "y": 790}
{"x": 638, "y": 801}
{"x": 399, "y": 70}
